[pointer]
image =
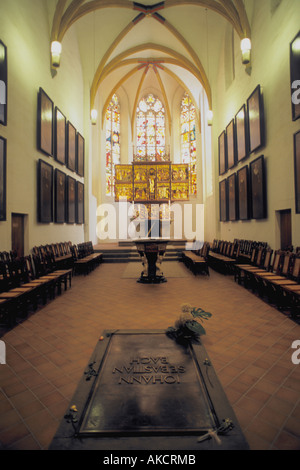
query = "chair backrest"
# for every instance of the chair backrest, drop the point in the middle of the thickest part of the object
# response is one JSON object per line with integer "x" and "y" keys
{"x": 227, "y": 249}
{"x": 296, "y": 268}
{"x": 30, "y": 268}
{"x": 253, "y": 254}
{"x": 267, "y": 262}
{"x": 232, "y": 250}
{"x": 276, "y": 264}
{"x": 259, "y": 256}
{"x": 287, "y": 258}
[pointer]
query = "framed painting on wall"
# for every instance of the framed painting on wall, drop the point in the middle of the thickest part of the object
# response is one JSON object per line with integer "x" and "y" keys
{"x": 295, "y": 76}
{"x": 241, "y": 134}
{"x": 80, "y": 155}
{"x": 255, "y": 116}
{"x": 223, "y": 201}
{"x": 60, "y": 137}
{"x": 243, "y": 193}
{"x": 2, "y": 179}
{"x": 222, "y": 154}
{"x": 71, "y": 147}
{"x": 60, "y": 197}
{"x": 3, "y": 84}
{"x": 297, "y": 170}
{"x": 230, "y": 145}
{"x": 232, "y": 198}
{"x": 45, "y": 192}
{"x": 45, "y": 123}
{"x": 71, "y": 200}
{"x": 79, "y": 203}
{"x": 258, "y": 188}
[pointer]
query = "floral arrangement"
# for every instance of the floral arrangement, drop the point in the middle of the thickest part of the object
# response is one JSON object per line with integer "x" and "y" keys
{"x": 188, "y": 327}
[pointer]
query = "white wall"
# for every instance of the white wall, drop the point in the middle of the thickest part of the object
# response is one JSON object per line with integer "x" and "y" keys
{"x": 272, "y": 33}
{"x": 25, "y": 30}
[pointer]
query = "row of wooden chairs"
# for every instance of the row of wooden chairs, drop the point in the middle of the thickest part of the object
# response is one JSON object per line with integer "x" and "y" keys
{"x": 62, "y": 253}
{"x": 26, "y": 281}
{"x": 85, "y": 258}
{"x": 224, "y": 255}
{"x": 8, "y": 256}
{"x": 278, "y": 280}
{"x": 197, "y": 261}
{"x": 247, "y": 246}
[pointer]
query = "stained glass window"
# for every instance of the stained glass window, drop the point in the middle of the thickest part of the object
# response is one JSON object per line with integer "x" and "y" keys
{"x": 150, "y": 121}
{"x": 112, "y": 119}
{"x": 188, "y": 139}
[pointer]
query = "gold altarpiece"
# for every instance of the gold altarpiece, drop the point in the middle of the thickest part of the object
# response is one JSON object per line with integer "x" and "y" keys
{"x": 146, "y": 184}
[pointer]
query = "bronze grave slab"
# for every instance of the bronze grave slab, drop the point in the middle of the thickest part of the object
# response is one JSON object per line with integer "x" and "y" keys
{"x": 143, "y": 390}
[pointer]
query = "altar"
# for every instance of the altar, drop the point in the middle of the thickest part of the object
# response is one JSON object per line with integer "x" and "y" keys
{"x": 152, "y": 252}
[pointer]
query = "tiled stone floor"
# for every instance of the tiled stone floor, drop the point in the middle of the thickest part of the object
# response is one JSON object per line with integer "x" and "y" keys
{"x": 248, "y": 342}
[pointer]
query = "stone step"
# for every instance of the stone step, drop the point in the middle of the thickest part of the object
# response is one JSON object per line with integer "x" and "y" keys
{"x": 131, "y": 255}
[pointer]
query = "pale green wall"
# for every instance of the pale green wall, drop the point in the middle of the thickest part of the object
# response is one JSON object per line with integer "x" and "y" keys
{"x": 25, "y": 30}
{"x": 271, "y": 37}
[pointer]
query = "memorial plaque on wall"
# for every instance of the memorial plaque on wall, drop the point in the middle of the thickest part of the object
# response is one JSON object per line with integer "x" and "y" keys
{"x": 60, "y": 141}
{"x": 71, "y": 200}
{"x": 79, "y": 202}
{"x": 142, "y": 383}
{"x": 222, "y": 153}
{"x": 3, "y": 84}
{"x": 45, "y": 192}
{"x": 59, "y": 196}
{"x": 80, "y": 155}
{"x": 71, "y": 147}
{"x": 232, "y": 198}
{"x": 45, "y": 123}
{"x": 297, "y": 170}
{"x": 295, "y": 75}
{"x": 258, "y": 188}
{"x": 230, "y": 142}
{"x": 241, "y": 134}
{"x": 223, "y": 197}
{"x": 2, "y": 179}
{"x": 255, "y": 109}
{"x": 243, "y": 193}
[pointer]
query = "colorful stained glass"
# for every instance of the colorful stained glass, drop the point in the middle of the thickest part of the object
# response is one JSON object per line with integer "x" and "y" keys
{"x": 188, "y": 139}
{"x": 150, "y": 132}
{"x": 112, "y": 118}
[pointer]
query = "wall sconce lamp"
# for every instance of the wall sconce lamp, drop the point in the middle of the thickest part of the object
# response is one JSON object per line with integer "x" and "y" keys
{"x": 94, "y": 115}
{"x": 55, "y": 54}
{"x": 246, "y": 50}
{"x": 210, "y": 116}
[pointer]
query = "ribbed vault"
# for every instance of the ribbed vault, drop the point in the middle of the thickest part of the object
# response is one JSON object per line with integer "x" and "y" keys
{"x": 170, "y": 62}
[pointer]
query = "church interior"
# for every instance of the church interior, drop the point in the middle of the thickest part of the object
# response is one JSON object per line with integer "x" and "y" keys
{"x": 174, "y": 122}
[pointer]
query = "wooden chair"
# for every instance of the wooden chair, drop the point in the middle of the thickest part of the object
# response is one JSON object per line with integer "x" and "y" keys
{"x": 288, "y": 289}
{"x": 240, "y": 269}
{"x": 281, "y": 270}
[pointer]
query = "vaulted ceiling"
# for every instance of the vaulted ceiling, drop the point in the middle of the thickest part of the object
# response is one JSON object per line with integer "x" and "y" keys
{"x": 149, "y": 46}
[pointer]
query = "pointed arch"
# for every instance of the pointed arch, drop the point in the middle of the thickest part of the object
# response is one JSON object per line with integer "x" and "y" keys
{"x": 175, "y": 59}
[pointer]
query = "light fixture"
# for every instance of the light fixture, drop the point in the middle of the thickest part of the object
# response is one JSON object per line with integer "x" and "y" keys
{"x": 55, "y": 54}
{"x": 210, "y": 116}
{"x": 94, "y": 115}
{"x": 246, "y": 50}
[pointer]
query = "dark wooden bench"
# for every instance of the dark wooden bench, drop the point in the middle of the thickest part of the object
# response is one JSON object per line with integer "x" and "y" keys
{"x": 85, "y": 258}
{"x": 224, "y": 260}
{"x": 196, "y": 261}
